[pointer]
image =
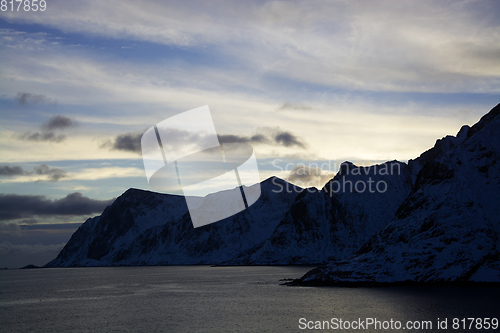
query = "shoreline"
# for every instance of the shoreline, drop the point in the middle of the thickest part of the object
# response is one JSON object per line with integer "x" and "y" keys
{"x": 376, "y": 284}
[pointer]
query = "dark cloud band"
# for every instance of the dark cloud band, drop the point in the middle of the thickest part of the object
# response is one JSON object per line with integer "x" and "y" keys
{"x": 272, "y": 136}
{"x": 54, "y": 174}
{"x": 6, "y": 170}
{"x": 14, "y": 206}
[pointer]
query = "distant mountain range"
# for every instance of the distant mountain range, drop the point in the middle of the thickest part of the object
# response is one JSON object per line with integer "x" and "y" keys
{"x": 435, "y": 219}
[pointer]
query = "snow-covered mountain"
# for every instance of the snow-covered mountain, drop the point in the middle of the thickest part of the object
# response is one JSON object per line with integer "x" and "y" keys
{"x": 336, "y": 221}
{"x": 287, "y": 225}
{"x": 147, "y": 228}
{"x": 447, "y": 229}
{"x": 433, "y": 219}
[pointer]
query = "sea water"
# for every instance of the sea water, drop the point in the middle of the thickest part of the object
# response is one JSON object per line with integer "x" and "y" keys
{"x": 224, "y": 299}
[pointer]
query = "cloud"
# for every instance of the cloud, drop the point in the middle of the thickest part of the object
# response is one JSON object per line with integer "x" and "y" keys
{"x": 6, "y": 170}
{"x": 290, "y": 106}
{"x": 346, "y": 49}
{"x": 308, "y": 176}
{"x": 14, "y": 206}
{"x": 57, "y": 122}
{"x": 288, "y": 139}
{"x": 44, "y": 136}
{"x": 174, "y": 139}
{"x": 126, "y": 142}
{"x": 109, "y": 172}
{"x": 54, "y": 174}
{"x": 231, "y": 138}
{"x": 265, "y": 135}
{"x": 23, "y": 98}
{"x": 22, "y": 41}
{"x": 419, "y": 46}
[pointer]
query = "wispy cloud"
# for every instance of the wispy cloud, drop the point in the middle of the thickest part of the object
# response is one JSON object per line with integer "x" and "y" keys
{"x": 354, "y": 45}
{"x": 23, "y": 98}
{"x": 351, "y": 80}
{"x": 109, "y": 173}
{"x": 22, "y": 41}
{"x": 53, "y": 174}
{"x": 43, "y": 173}
{"x": 44, "y": 136}
{"x": 291, "y": 106}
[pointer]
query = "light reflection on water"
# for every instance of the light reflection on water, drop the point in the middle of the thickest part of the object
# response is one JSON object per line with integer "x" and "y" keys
{"x": 212, "y": 299}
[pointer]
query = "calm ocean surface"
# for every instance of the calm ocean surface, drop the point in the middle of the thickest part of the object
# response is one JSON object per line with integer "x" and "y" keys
{"x": 215, "y": 299}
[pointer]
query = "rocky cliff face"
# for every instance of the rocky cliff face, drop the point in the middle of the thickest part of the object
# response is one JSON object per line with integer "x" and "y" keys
{"x": 447, "y": 229}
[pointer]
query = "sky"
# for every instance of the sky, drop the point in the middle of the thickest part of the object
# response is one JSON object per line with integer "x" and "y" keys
{"x": 306, "y": 83}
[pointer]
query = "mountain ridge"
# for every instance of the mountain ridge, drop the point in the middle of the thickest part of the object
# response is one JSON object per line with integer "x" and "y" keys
{"x": 362, "y": 233}
{"x": 446, "y": 231}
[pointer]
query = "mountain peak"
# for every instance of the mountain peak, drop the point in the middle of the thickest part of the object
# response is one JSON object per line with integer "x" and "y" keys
{"x": 485, "y": 120}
